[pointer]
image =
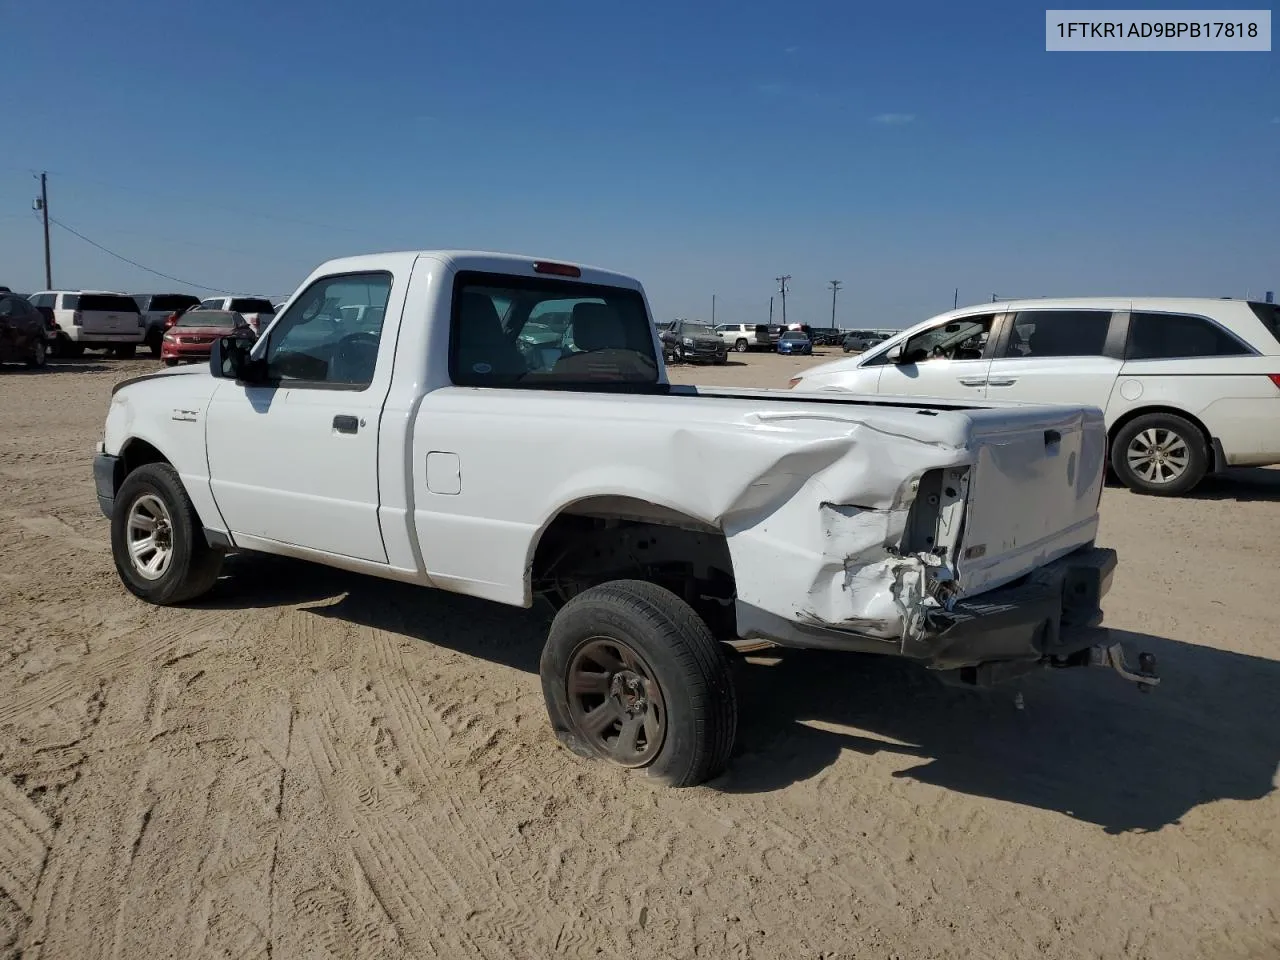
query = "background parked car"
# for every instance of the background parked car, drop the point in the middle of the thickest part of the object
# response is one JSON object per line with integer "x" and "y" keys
{"x": 686, "y": 342}
{"x": 1188, "y": 386}
{"x": 795, "y": 341}
{"x": 192, "y": 335}
{"x": 91, "y": 319}
{"x": 825, "y": 336}
{"x": 21, "y": 332}
{"x": 741, "y": 337}
{"x": 257, "y": 311}
{"x": 859, "y": 340}
{"x": 156, "y": 308}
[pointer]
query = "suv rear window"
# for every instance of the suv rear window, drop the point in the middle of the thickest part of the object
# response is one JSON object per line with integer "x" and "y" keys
{"x": 499, "y": 337}
{"x": 105, "y": 302}
{"x": 171, "y": 302}
{"x": 252, "y": 305}
{"x": 1269, "y": 314}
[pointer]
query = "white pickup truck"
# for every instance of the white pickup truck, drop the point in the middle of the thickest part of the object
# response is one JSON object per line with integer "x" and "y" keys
{"x": 394, "y": 420}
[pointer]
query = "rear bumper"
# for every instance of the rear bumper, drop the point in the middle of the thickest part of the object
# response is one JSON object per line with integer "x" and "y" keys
{"x": 104, "y": 480}
{"x": 78, "y": 335}
{"x": 1052, "y": 615}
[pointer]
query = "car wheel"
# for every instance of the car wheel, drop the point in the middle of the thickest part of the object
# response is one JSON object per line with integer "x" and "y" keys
{"x": 157, "y": 541}
{"x": 677, "y": 354}
{"x": 38, "y": 355}
{"x": 127, "y": 351}
{"x": 1160, "y": 454}
{"x": 155, "y": 343}
{"x": 632, "y": 675}
{"x": 171, "y": 362}
{"x": 69, "y": 348}
{"x": 740, "y": 346}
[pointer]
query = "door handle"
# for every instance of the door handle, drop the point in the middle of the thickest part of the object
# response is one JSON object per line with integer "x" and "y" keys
{"x": 972, "y": 381}
{"x": 1008, "y": 382}
{"x": 344, "y": 423}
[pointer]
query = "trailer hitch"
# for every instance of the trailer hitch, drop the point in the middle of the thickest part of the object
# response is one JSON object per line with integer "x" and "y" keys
{"x": 1112, "y": 655}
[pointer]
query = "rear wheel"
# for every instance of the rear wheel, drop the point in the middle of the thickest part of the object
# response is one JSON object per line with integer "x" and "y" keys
{"x": 1160, "y": 454}
{"x": 632, "y": 675}
{"x": 157, "y": 541}
{"x": 38, "y": 355}
{"x": 69, "y": 348}
{"x": 126, "y": 351}
{"x": 154, "y": 343}
{"x": 740, "y": 345}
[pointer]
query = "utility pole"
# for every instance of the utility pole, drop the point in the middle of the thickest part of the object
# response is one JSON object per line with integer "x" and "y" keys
{"x": 782, "y": 288}
{"x": 42, "y": 204}
{"x": 955, "y": 301}
{"x": 835, "y": 285}
{"x": 771, "y": 311}
{"x": 713, "y": 309}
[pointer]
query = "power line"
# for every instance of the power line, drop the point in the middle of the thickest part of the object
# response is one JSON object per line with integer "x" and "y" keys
{"x": 135, "y": 263}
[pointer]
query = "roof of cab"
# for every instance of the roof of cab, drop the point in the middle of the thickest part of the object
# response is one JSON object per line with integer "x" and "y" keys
{"x": 480, "y": 260}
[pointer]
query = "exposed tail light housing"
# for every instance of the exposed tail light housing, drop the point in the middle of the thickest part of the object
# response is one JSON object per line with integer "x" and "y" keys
{"x": 77, "y": 319}
{"x": 170, "y": 320}
{"x": 1274, "y": 378}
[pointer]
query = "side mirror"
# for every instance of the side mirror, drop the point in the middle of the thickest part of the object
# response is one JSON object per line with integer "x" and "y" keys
{"x": 229, "y": 357}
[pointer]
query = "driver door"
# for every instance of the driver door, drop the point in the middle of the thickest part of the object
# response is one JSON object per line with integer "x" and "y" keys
{"x": 953, "y": 364}
{"x": 294, "y": 459}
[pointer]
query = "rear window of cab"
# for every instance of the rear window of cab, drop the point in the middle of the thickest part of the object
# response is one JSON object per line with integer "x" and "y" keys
{"x": 509, "y": 331}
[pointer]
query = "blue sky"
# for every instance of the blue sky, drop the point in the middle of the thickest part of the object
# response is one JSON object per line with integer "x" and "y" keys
{"x": 905, "y": 149}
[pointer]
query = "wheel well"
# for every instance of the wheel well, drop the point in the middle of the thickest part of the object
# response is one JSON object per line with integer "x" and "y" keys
{"x": 134, "y": 454}
{"x": 1132, "y": 415}
{"x": 612, "y": 538}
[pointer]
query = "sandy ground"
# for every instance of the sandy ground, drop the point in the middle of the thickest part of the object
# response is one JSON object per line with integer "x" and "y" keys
{"x": 312, "y": 764}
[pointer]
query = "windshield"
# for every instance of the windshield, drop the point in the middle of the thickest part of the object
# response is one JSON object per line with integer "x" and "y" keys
{"x": 697, "y": 330}
{"x": 510, "y": 331}
{"x": 210, "y": 318}
{"x": 794, "y": 335}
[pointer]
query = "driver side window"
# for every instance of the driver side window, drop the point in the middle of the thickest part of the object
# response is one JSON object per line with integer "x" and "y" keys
{"x": 330, "y": 334}
{"x": 962, "y": 339}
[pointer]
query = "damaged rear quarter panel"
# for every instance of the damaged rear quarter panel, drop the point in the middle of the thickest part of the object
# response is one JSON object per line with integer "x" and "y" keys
{"x": 814, "y": 535}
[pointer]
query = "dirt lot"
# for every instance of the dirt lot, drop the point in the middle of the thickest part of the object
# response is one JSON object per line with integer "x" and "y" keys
{"x": 312, "y": 764}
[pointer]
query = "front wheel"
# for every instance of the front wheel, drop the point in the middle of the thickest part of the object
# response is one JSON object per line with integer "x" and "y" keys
{"x": 632, "y": 675}
{"x": 157, "y": 541}
{"x": 1160, "y": 454}
{"x": 170, "y": 362}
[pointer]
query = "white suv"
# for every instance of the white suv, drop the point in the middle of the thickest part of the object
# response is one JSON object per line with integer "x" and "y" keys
{"x": 1188, "y": 387}
{"x": 257, "y": 311}
{"x": 96, "y": 319}
{"x": 742, "y": 337}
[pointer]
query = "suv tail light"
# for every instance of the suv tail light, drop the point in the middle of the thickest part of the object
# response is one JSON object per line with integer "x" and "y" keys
{"x": 77, "y": 319}
{"x": 170, "y": 320}
{"x": 1274, "y": 378}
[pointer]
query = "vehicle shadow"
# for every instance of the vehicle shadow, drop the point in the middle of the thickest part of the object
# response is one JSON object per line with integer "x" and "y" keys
{"x": 55, "y": 366}
{"x": 1245, "y": 484}
{"x": 1087, "y": 744}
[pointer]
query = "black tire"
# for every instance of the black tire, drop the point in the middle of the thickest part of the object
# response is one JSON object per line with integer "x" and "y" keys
{"x": 39, "y": 355}
{"x": 1165, "y": 432}
{"x": 154, "y": 343}
{"x": 682, "y": 666}
{"x": 127, "y": 352}
{"x": 69, "y": 348}
{"x": 740, "y": 345}
{"x": 193, "y": 565}
{"x": 171, "y": 362}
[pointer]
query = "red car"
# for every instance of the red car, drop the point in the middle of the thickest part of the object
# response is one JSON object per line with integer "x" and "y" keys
{"x": 191, "y": 337}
